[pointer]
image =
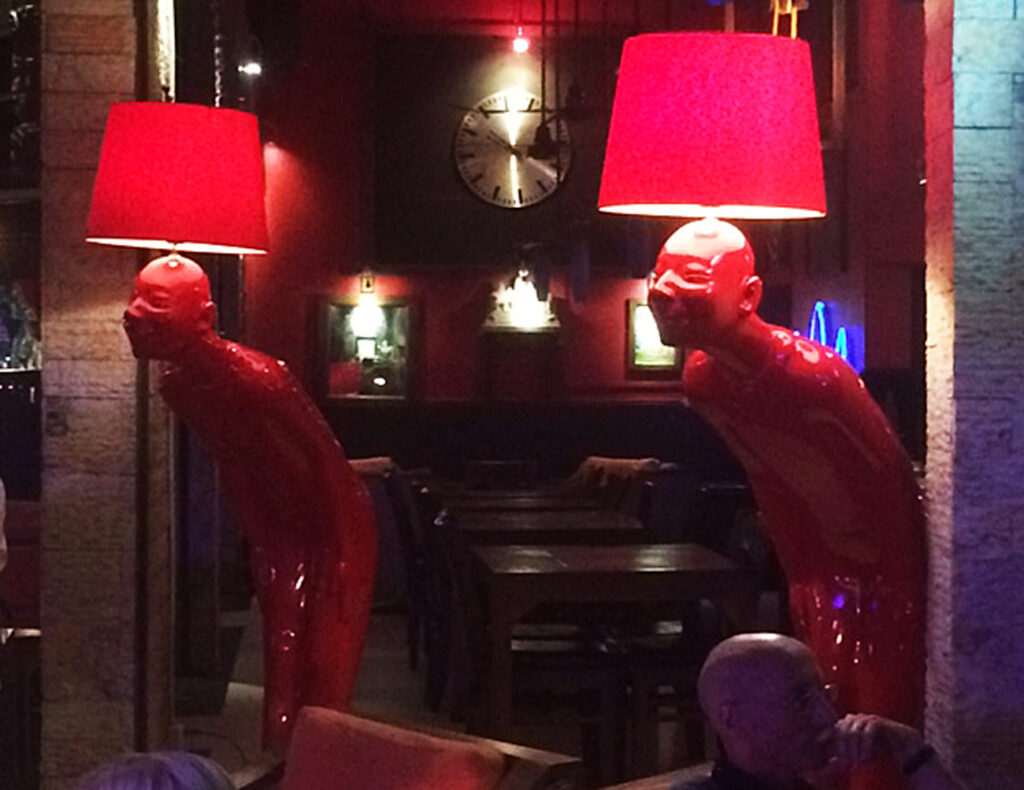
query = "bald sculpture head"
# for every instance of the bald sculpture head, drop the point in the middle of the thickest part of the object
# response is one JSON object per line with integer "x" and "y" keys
{"x": 703, "y": 285}
{"x": 764, "y": 696}
{"x": 170, "y": 308}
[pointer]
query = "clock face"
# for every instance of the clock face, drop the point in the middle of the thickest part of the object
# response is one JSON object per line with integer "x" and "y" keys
{"x": 506, "y": 156}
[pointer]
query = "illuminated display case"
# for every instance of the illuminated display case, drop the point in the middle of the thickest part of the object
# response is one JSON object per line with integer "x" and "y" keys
{"x": 367, "y": 348}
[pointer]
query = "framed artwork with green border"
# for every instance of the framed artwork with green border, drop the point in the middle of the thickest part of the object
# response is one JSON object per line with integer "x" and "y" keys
{"x": 646, "y": 357}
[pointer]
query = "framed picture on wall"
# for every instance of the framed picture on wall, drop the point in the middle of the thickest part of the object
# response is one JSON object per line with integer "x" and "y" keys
{"x": 646, "y": 357}
{"x": 366, "y": 347}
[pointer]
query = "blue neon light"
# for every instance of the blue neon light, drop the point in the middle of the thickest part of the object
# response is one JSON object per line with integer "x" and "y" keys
{"x": 842, "y": 341}
{"x": 817, "y": 329}
{"x": 842, "y": 344}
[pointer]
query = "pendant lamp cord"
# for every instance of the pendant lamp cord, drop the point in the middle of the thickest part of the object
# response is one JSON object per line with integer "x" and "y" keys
{"x": 218, "y": 54}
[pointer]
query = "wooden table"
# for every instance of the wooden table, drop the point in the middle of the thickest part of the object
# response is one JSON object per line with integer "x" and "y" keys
{"x": 601, "y": 527}
{"x": 521, "y": 500}
{"x": 516, "y": 578}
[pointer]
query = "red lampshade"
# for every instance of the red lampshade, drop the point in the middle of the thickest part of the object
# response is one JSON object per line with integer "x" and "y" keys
{"x": 720, "y": 124}
{"x": 180, "y": 176}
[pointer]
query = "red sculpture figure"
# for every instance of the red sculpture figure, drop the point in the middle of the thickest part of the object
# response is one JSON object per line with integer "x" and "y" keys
{"x": 834, "y": 486}
{"x": 307, "y": 517}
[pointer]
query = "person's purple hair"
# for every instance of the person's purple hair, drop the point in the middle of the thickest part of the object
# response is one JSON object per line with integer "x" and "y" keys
{"x": 157, "y": 771}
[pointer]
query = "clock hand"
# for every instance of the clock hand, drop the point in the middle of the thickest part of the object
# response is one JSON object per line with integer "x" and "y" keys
{"x": 505, "y": 144}
{"x": 545, "y": 169}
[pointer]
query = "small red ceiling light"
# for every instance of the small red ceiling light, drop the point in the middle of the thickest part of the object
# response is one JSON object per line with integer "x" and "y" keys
{"x": 714, "y": 124}
{"x": 520, "y": 44}
{"x": 179, "y": 177}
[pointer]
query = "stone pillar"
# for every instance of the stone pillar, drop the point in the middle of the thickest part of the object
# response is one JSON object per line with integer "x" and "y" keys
{"x": 92, "y": 499}
{"x": 974, "y": 99}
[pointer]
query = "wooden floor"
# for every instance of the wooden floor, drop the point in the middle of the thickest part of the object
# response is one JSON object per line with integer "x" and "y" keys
{"x": 385, "y": 685}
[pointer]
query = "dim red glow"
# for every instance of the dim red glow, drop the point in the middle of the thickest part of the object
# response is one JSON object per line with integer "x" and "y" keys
{"x": 719, "y": 124}
{"x": 179, "y": 176}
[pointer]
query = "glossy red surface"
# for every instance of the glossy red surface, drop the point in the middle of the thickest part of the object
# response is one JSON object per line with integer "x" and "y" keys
{"x": 834, "y": 486}
{"x": 306, "y": 516}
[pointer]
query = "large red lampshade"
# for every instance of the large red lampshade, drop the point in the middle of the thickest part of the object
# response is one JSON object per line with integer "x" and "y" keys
{"x": 714, "y": 124}
{"x": 179, "y": 176}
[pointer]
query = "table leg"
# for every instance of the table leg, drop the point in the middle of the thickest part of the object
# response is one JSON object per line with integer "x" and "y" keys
{"x": 498, "y": 694}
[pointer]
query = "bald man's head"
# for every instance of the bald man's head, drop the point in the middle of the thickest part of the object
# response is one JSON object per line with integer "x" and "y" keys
{"x": 738, "y": 664}
{"x": 763, "y": 695}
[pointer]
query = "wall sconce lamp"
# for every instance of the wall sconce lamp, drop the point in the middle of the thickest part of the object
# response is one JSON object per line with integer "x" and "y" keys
{"x": 714, "y": 125}
{"x": 179, "y": 177}
{"x": 367, "y": 322}
{"x": 518, "y": 308}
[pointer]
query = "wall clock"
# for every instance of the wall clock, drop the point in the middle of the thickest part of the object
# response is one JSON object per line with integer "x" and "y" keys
{"x": 507, "y": 154}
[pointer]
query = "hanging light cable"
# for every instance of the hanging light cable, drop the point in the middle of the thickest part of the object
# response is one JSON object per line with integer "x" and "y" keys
{"x": 521, "y": 43}
{"x": 218, "y": 54}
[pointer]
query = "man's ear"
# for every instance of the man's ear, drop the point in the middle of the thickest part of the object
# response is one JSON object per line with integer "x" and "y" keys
{"x": 726, "y": 716}
{"x": 207, "y": 316}
{"x": 752, "y": 290}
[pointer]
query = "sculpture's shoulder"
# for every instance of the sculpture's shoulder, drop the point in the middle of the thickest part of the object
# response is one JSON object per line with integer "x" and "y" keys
{"x": 809, "y": 371}
{"x": 261, "y": 369}
{"x": 229, "y": 372}
{"x": 795, "y": 371}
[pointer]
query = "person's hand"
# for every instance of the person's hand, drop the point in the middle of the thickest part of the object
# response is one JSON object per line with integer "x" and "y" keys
{"x": 859, "y": 738}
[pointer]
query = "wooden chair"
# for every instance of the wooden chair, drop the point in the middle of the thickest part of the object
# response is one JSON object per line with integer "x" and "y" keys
{"x": 662, "y": 672}
{"x": 562, "y": 671}
{"x": 399, "y": 486}
{"x": 501, "y": 474}
{"x": 726, "y": 519}
{"x": 438, "y": 597}
{"x": 343, "y": 751}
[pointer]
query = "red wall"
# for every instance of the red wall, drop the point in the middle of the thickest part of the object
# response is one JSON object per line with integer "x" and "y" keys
{"x": 452, "y": 348}
{"x": 317, "y": 172}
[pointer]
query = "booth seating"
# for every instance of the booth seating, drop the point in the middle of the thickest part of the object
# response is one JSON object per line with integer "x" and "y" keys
{"x": 19, "y": 580}
{"x": 340, "y": 751}
{"x": 390, "y": 591}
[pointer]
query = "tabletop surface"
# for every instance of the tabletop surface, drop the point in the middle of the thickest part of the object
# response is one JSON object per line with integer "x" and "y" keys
{"x": 646, "y": 558}
{"x": 521, "y": 500}
{"x": 455, "y": 490}
{"x": 527, "y": 520}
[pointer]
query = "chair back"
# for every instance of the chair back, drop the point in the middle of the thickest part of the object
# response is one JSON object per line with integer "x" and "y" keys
{"x": 501, "y": 474}
{"x": 338, "y": 751}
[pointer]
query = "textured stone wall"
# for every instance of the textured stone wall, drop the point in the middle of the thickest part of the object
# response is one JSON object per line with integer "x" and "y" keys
{"x": 90, "y": 473}
{"x": 974, "y": 81}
